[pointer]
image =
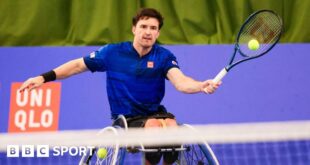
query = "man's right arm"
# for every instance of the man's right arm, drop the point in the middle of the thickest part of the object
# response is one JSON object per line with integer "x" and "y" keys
{"x": 64, "y": 71}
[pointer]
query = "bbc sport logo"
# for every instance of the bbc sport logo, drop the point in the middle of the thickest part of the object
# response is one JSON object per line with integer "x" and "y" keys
{"x": 47, "y": 151}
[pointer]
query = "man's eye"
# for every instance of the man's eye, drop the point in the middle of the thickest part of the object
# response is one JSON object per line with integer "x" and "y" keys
{"x": 154, "y": 28}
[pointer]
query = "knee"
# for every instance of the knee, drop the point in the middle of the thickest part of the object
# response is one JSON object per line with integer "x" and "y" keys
{"x": 160, "y": 123}
{"x": 152, "y": 123}
{"x": 171, "y": 122}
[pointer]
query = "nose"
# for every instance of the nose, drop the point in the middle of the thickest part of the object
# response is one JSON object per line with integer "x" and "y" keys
{"x": 148, "y": 31}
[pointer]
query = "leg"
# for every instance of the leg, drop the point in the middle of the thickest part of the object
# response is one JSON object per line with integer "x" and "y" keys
{"x": 153, "y": 123}
{"x": 160, "y": 123}
{"x": 169, "y": 157}
{"x": 152, "y": 158}
{"x": 171, "y": 122}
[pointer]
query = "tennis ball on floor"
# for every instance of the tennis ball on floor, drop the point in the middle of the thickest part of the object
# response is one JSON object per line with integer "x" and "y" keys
{"x": 253, "y": 44}
{"x": 102, "y": 153}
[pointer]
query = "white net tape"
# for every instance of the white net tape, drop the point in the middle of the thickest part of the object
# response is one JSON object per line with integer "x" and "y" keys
{"x": 223, "y": 133}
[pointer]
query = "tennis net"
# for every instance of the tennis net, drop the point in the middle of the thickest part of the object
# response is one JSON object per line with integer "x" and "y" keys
{"x": 276, "y": 143}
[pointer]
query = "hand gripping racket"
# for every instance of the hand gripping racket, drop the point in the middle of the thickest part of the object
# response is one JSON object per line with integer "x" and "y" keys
{"x": 257, "y": 36}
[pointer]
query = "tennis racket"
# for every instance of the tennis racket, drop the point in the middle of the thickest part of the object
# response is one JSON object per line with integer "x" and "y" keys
{"x": 257, "y": 36}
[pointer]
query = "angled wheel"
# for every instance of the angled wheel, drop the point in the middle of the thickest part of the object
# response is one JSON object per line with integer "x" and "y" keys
{"x": 114, "y": 154}
{"x": 197, "y": 154}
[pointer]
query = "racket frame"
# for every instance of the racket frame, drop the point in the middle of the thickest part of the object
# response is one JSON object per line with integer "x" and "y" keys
{"x": 230, "y": 65}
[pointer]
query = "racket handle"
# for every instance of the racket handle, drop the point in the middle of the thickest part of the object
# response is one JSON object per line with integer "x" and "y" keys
{"x": 220, "y": 75}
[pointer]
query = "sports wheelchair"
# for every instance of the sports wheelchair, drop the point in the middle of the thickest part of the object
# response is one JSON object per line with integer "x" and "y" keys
{"x": 188, "y": 154}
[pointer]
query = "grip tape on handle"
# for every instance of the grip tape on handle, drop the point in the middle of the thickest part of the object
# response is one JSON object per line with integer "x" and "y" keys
{"x": 220, "y": 75}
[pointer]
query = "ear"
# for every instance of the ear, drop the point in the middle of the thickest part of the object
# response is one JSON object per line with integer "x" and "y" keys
{"x": 133, "y": 29}
{"x": 158, "y": 34}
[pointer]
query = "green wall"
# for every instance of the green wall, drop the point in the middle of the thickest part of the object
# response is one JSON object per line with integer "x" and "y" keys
{"x": 97, "y": 22}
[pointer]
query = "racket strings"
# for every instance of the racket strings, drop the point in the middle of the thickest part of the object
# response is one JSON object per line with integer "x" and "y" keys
{"x": 258, "y": 29}
{"x": 265, "y": 27}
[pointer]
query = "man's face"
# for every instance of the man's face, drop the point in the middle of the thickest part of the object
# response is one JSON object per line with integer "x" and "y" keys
{"x": 146, "y": 32}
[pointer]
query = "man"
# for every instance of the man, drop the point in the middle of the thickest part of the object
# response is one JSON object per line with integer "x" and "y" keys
{"x": 136, "y": 73}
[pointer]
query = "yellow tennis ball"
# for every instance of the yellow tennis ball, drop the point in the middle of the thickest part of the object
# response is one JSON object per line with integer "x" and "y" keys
{"x": 102, "y": 153}
{"x": 253, "y": 44}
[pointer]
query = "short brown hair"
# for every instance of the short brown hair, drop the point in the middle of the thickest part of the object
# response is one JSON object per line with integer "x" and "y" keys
{"x": 146, "y": 13}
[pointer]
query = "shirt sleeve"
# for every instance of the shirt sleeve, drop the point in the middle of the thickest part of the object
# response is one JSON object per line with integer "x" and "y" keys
{"x": 170, "y": 62}
{"x": 96, "y": 61}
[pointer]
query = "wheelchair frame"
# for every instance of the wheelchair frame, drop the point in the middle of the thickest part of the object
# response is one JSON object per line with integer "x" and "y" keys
{"x": 116, "y": 154}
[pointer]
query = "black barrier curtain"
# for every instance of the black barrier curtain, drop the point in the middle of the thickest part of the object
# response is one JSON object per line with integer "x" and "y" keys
{"x": 97, "y": 22}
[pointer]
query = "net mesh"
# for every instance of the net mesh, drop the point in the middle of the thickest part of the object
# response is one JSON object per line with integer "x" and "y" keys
{"x": 264, "y": 27}
{"x": 276, "y": 143}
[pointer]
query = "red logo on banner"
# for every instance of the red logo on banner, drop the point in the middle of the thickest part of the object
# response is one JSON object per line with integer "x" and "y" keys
{"x": 35, "y": 110}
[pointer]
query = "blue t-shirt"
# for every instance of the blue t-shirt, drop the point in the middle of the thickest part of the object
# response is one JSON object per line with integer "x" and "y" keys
{"x": 135, "y": 85}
